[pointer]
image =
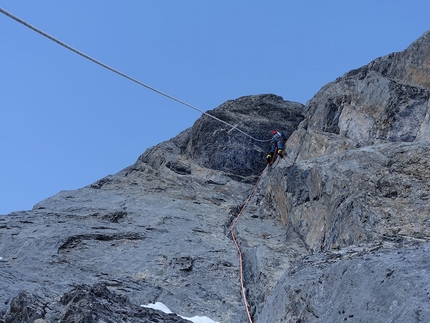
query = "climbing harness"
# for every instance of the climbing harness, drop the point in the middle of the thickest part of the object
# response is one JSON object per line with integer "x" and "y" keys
{"x": 238, "y": 248}
{"x": 233, "y": 127}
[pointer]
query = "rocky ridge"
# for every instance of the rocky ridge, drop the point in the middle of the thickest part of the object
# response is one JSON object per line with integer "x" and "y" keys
{"x": 336, "y": 231}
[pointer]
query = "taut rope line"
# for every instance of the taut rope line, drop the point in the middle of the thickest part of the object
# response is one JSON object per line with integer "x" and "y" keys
{"x": 120, "y": 73}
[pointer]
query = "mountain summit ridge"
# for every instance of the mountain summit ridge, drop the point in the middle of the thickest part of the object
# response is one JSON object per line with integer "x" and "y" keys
{"x": 338, "y": 230}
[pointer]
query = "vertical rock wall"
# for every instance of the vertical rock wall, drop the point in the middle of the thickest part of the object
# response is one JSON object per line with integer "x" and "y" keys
{"x": 356, "y": 193}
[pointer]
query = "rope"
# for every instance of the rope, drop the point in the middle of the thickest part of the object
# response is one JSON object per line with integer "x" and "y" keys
{"x": 122, "y": 74}
{"x": 238, "y": 248}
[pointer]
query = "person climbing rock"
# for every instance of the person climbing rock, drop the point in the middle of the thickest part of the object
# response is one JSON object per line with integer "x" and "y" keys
{"x": 276, "y": 142}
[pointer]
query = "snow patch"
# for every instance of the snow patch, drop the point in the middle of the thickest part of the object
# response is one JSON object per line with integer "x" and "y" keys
{"x": 196, "y": 319}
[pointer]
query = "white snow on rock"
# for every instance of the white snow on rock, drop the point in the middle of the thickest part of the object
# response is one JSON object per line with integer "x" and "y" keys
{"x": 196, "y": 319}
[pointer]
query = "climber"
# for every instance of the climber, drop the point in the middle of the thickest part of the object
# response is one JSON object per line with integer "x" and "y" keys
{"x": 277, "y": 141}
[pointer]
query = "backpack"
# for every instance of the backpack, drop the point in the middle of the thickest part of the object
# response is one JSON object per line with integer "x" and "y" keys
{"x": 284, "y": 137}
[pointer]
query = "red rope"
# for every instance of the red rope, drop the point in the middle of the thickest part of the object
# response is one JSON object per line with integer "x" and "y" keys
{"x": 238, "y": 249}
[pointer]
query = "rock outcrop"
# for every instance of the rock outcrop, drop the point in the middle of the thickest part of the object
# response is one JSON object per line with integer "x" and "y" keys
{"x": 355, "y": 190}
{"x": 338, "y": 230}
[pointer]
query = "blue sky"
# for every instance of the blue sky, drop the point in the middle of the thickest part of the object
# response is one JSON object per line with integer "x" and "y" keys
{"x": 67, "y": 122}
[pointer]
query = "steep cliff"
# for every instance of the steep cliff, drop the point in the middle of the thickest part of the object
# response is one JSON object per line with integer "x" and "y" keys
{"x": 355, "y": 190}
{"x": 336, "y": 231}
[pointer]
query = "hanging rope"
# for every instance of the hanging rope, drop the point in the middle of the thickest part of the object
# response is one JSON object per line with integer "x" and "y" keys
{"x": 122, "y": 74}
{"x": 242, "y": 283}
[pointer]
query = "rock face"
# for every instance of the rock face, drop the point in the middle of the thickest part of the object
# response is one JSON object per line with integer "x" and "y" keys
{"x": 216, "y": 146}
{"x": 355, "y": 190}
{"x": 156, "y": 231}
{"x": 338, "y": 230}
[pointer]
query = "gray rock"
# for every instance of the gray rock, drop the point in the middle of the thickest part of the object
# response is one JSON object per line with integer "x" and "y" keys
{"x": 217, "y": 146}
{"x": 86, "y": 304}
{"x": 156, "y": 231}
{"x": 411, "y": 66}
{"x": 356, "y": 175}
{"x": 354, "y": 285}
{"x": 371, "y": 110}
{"x": 384, "y": 101}
{"x": 361, "y": 196}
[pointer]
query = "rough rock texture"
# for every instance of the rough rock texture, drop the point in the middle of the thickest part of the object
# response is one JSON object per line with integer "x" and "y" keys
{"x": 355, "y": 285}
{"x": 357, "y": 176}
{"x": 360, "y": 196}
{"x": 338, "y": 230}
{"x": 159, "y": 230}
{"x": 216, "y": 146}
{"x": 87, "y": 304}
{"x": 411, "y": 66}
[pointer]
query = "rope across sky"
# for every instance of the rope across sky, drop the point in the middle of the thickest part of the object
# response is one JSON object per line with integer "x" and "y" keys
{"x": 233, "y": 127}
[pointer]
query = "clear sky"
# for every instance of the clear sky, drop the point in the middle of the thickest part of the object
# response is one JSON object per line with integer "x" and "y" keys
{"x": 67, "y": 122}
